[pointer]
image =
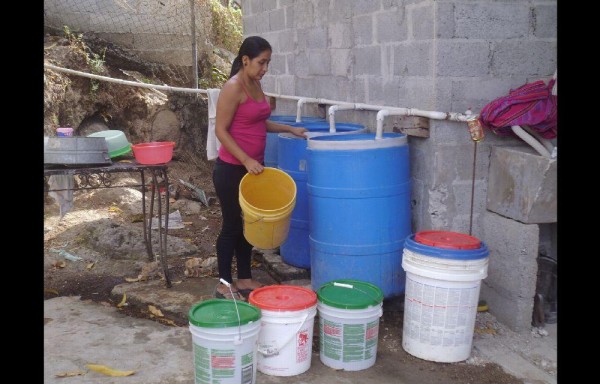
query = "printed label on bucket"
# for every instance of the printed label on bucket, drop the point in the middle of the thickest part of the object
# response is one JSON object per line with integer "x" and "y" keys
{"x": 437, "y": 315}
{"x": 348, "y": 342}
{"x": 214, "y": 365}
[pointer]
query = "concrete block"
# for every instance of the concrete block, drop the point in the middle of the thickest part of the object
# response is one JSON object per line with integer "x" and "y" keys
{"x": 319, "y": 62}
{"x": 534, "y": 58}
{"x": 361, "y": 89}
{"x": 417, "y": 92}
{"x": 285, "y": 3}
{"x": 340, "y": 35}
{"x": 461, "y": 191}
{"x": 269, "y": 82}
{"x": 341, "y": 62}
{"x": 510, "y": 285}
{"x": 383, "y": 92}
{"x": 367, "y": 61}
{"x": 268, "y": 5}
{"x": 545, "y": 18}
{"x": 445, "y": 21}
{"x": 308, "y": 87}
{"x": 522, "y": 185}
{"x": 301, "y": 64}
{"x": 290, "y": 60}
{"x": 336, "y": 88}
{"x": 290, "y": 20}
{"x": 454, "y": 162}
{"x": 363, "y": 30}
{"x": 277, "y": 65}
{"x": 360, "y": 7}
{"x": 461, "y": 58}
{"x": 422, "y": 22}
{"x": 262, "y": 22}
{"x": 414, "y": 59}
{"x": 316, "y": 37}
{"x": 491, "y": 20}
{"x": 277, "y": 19}
{"x": 475, "y": 93}
{"x": 438, "y": 207}
{"x": 249, "y": 24}
{"x": 287, "y": 41}
{"x": 340, "y": 11}
{"x": 285, "y": 85}
{"x": 321, "y": 12}
{"x": 304, "y": 14}
{"x": 391, "y": 26}
{"x": 272, "y": 38}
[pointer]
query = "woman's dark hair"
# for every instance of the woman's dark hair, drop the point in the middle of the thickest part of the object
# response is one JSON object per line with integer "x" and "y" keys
{"x": 251, "y": 47}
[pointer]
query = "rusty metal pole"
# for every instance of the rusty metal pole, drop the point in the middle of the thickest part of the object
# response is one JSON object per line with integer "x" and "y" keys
{"x": 194, "y": 45}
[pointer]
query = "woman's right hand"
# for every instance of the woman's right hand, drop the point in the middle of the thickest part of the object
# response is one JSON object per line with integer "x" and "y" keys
{"x": 253, "y": 166}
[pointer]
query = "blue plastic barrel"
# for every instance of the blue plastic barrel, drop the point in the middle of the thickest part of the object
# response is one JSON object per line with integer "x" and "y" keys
{"x": 292, "y": 160}
{"x": 359, "y": 209}
{"x": 271, "y": 147}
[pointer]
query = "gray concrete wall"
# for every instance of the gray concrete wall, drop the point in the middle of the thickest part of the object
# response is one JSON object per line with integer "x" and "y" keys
{"x": 158, "y": 31}
{"x": 446, "y": 55}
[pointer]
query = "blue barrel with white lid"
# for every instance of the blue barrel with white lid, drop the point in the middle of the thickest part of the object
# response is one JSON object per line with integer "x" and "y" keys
{"x": 272, "y": 141}
{"x": 292, "y": 158}
{"x": 359, "y": 208}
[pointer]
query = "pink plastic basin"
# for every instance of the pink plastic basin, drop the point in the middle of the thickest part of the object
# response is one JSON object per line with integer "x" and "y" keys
{"x": 155, "y": 152}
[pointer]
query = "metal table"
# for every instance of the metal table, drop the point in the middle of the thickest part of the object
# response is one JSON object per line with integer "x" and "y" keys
{"x": 99, "y": 176}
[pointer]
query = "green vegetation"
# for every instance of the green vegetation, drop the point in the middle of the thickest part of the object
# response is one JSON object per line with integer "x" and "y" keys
{"x": 226, "y": 26}
{"x": 93, "y": 60}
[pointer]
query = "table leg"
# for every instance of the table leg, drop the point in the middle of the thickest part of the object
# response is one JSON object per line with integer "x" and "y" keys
{"x": 146, "y": 226}
{"x": 162, "y": 233}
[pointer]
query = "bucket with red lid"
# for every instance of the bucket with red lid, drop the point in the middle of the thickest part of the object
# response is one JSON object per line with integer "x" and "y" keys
{"x": 444, "y": 270}
{"x": 286, "y": 334}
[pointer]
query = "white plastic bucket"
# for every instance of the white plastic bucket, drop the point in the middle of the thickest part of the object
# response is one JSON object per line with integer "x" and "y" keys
{"x": 286, "y": 334}
{"x": 224, "y": 344}
{"x": 441, "y": 297}
{"x": 349, "y": 307}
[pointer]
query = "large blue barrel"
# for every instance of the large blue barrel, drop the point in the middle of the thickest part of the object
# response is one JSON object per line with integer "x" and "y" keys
{"x": 271, "y": 148}
{"x": 359, "y": 209}
{"x": 292, "y": 160}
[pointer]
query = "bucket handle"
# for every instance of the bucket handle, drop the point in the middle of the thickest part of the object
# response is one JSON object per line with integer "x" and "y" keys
{"x": 350, "y": 286}
{"x": 248, "y": 222}
{"x": 270, "y": 351}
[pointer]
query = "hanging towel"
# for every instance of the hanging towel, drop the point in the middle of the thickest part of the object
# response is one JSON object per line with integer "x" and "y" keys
{"x": 212, "y": 143}
{"x": 61, "y": 190}
{"x": 532, "y": 104}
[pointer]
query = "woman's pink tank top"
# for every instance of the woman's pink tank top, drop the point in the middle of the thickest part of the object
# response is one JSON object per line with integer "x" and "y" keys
{"x": 249, "y": 129}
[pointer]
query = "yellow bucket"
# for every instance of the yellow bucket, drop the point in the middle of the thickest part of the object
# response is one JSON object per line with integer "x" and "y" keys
{"x": 267, "y": 202}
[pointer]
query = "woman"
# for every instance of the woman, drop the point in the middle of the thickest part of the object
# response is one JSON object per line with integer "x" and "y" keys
{"x": 241, "y": 126}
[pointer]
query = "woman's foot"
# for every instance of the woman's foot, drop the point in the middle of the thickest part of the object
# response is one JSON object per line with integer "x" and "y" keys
{"x": 223, "y": 292}
{"x": 245, "y": 286}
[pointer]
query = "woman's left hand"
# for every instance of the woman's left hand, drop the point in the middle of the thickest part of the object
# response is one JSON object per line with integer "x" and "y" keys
{"x": 298, "y": 131}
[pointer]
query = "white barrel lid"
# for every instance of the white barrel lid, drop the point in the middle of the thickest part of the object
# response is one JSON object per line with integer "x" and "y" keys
{"x": 356, "y": 141}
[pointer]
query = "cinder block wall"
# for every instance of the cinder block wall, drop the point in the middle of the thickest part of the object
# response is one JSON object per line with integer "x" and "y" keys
{"x": 158, "y": 31}
{"x": 440, "y": 55}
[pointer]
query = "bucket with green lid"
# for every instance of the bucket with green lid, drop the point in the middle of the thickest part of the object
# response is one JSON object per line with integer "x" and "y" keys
{"x": 349, "y": 312}
{"x": 224, "y": 336}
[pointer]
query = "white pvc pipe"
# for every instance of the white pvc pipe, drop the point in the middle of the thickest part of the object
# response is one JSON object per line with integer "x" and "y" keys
{"x": 331, "y": 114}
{"x": 545, "y": 142}
{"x": 530, "y": 140}
{"x": 125, "y": 82}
